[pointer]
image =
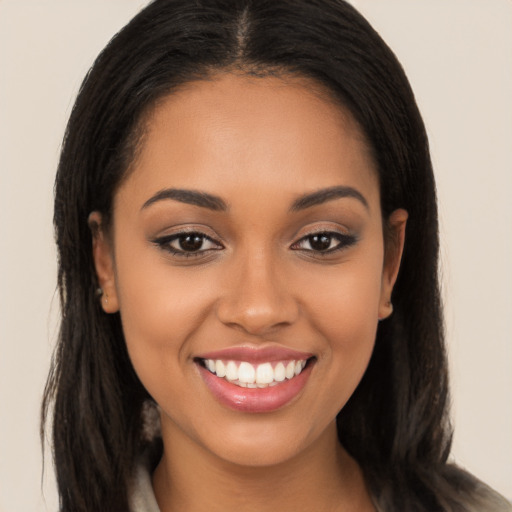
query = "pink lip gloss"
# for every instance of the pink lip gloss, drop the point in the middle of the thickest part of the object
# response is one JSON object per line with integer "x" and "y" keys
{"x": 255, "y": 400}
{"x": 262, "y": 386}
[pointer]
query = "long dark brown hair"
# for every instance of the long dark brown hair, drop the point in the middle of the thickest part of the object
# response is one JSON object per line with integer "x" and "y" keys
{"x": 396, "y": 423}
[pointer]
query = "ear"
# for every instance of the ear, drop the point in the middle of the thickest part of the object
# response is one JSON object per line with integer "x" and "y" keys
{"x": 394, "y": 245}
{"x": 103, "y": 257}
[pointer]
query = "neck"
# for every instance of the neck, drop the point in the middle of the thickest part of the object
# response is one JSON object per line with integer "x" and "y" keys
{"x": 322, "y": 478}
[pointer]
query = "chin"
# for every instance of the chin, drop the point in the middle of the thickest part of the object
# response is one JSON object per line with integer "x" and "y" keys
{"x": 263, "y": 443}
{"x": 257, "y": 455}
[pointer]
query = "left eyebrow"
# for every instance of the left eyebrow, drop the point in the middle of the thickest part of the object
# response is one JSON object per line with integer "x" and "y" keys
{"x": 327, "y": 194}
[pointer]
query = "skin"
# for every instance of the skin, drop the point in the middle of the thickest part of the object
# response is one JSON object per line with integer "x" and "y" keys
{"x": 259, "y": 144}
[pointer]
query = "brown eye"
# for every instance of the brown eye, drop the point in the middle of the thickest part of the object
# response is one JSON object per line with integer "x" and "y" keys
{"x": 191, "y": 242}
{"x": 325, "y": 242}
{"x": 320, "y": 242}
{"x": 188, "y": 244}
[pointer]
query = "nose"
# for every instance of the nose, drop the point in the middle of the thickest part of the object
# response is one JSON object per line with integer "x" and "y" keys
{"x": 257, "y": 297}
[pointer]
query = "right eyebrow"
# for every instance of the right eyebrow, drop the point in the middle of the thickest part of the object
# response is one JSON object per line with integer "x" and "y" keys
{"x": 193, "y": 197}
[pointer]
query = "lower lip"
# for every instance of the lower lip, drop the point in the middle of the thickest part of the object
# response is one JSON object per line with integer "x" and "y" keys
{"x": 255, "y": 400}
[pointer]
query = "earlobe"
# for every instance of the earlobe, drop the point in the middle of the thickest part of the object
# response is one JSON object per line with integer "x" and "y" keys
{"x": 394, "y": 245}
{"x": 385, "y": 310}
{"x": 104, "y": 264}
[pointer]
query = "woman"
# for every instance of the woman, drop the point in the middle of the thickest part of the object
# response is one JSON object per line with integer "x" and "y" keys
{"x": 222, "y": 159}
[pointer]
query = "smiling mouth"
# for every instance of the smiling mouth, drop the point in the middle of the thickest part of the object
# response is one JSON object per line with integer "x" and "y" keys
{"x": 248, "y": 375}
{"x": 251, "y": 380}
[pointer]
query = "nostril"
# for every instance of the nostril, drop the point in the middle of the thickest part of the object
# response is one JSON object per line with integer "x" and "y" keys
{"x": 258, "y": 319}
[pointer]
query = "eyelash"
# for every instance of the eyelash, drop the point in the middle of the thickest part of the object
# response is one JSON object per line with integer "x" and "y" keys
{"x": 164, "y": 242}
{"x": 344, "y": 241}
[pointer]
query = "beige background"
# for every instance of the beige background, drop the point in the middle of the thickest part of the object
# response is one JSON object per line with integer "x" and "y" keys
{"x": 458, "y": 55}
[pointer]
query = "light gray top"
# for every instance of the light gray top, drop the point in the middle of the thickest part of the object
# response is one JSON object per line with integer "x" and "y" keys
{"x": 142, "y": 497}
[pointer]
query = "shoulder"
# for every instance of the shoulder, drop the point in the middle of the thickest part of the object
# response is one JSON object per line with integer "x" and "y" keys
{"x": 475, "y": 495}
{"x": 447, "y": 488}
{"x": 488, "y": 500}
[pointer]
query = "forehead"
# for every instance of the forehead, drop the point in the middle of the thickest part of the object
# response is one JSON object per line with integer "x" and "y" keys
{"x": 234, "y": 131}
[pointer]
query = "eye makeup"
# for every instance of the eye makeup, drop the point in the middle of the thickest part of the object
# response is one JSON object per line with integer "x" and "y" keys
{"x": 324, "y": 242}
{"x": 195, "y": 243}
{"x": 188, "y": 244}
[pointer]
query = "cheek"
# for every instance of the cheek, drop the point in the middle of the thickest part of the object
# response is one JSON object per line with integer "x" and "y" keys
{"x": 350, "y": 327}
{"x": 156, "y": 329}
{"x": 345, "y": 312}
{"x": 346, "y": 302}
{"x": 160, "y": 310}
{"x": 348, "y": 313}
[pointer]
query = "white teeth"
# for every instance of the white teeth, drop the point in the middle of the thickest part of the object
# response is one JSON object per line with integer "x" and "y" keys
{"x": 246, "y": 375}
{"x": 264, "y": 373}
{"x": 220, "y": 368}
{"x": 231, "y": 371}
{"x": 279, "y": 372}
{"x": 290, "y": 370}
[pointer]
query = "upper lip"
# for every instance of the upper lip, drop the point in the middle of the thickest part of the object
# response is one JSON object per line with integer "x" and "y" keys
{"x": 256, "y": 354}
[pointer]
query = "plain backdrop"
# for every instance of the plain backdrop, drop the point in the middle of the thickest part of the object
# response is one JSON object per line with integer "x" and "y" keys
{"x": 458, "y": 56}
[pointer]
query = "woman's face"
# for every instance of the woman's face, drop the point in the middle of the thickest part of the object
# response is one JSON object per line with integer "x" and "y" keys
{"x": 247, "y": 262}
